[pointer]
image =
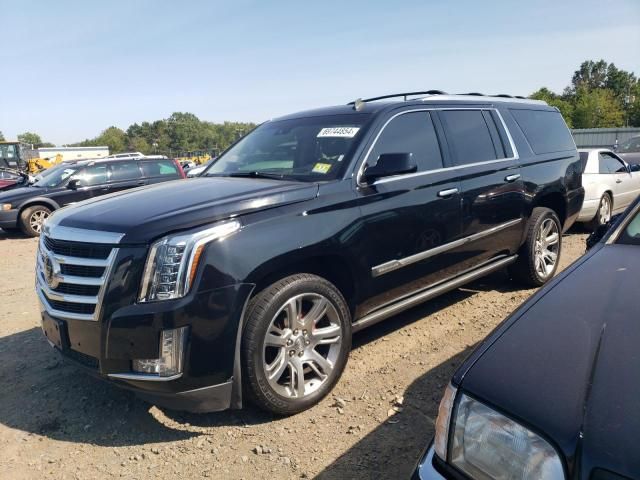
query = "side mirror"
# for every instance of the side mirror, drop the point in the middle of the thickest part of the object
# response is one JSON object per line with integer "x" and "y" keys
{"x": 390, "y": 164}
{"x": 634, "y": 167}
{"x": 74, "y": 184}
{"x": 599, "y": 233}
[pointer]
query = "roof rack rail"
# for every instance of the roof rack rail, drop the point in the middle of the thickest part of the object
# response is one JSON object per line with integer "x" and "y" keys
{"x": 405, "y": 95}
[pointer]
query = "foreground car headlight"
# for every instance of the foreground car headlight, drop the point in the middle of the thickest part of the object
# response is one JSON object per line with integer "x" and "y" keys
{"x": 172, "y": 343}
{"x": 486, "y": 445}
{"x": 5, "y": 207}
{"x": 173, "y": 262}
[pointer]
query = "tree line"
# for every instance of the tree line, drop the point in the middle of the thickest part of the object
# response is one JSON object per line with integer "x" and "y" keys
{"x": 600, "y": 95}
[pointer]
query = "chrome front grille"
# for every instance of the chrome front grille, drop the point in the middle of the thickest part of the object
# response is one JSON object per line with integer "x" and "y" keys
{"x": 71, "y": 276}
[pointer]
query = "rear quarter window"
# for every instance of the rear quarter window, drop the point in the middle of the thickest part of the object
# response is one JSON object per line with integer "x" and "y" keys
{"x": 162, "y": 168}
{"x": 545, "y": 130}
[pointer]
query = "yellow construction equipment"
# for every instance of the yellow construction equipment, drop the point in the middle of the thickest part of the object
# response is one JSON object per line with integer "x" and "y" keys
{"x": 37, "y": 164}
{"x": 21, "y": 157}
{"x": 198, "y": 157}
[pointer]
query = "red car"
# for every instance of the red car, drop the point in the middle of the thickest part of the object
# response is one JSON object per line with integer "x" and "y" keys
{"x": 10, "y": 179}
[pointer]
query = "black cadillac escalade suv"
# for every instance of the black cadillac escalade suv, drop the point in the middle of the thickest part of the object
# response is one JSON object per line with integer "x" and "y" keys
{"x": 248, "y": 281}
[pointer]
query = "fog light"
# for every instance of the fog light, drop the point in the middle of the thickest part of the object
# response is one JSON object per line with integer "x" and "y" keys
{"x": 5, "y": 207}
{"x": 170, "y": 363}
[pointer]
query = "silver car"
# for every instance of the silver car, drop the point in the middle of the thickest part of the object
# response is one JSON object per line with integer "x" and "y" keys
{"x": 610, "y": 185}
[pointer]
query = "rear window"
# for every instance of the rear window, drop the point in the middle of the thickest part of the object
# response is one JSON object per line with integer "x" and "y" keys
{"x": 545, "y": 130}
{"x": 159, "y": 168}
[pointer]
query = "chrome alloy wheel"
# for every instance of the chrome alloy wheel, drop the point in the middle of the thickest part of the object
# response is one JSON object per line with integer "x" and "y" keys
{"x": 302, "y": 345}
{"x": 605, "y": 210}
{"x": 547, "y": 247}
{"x": 36, "y": 220}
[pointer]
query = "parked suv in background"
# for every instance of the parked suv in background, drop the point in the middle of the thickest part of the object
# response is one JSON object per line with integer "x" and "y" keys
{"x": 27, "y": 208}
{"x": 248, "y": 281}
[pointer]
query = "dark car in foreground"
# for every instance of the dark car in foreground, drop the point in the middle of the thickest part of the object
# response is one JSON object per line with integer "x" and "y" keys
{"x": 28, "y": 207}
{"x": 251, "y": 278}
{"x": 554, "y": 391}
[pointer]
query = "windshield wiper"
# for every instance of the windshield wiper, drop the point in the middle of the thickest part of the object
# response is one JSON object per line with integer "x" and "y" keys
{"x": 255, "y": 174}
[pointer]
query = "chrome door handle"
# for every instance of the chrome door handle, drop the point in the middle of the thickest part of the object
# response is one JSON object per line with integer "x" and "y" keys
{"x": 512, "y": 178}
{"x": 618, "y": 181}
{"x": 447, "y": 193}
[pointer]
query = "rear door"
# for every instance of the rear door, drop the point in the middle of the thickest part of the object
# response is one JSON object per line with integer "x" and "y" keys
{"x": 162, "y": 170}
{"x": 492, "y": 191}
{"x": 125, "y": 174}
{"x": 408, "y": 221}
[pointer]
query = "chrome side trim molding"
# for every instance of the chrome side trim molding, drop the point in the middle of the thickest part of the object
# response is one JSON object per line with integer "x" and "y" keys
{"x": 143, "y": 377}
{"x": 392, "y": 265}
{"x": 429, "y": 293}
{"x": 71, "y": 234}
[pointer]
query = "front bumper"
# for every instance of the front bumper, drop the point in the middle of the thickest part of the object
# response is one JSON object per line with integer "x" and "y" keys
{"x": 425, "y": 469}
{"x": 8, "y": 218}
{"x": 107, "y": 346}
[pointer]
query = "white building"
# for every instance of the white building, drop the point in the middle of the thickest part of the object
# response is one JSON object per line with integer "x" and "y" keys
{"x": 73, "y": 153}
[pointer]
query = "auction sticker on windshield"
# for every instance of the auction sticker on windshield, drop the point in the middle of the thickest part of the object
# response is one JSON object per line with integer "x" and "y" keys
{"x": 321, "y": 167}
{"x": 344, "y": 132}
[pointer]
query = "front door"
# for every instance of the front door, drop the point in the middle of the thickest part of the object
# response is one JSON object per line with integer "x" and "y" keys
{"x": 408, "y": 220}
{"x": 91, "y": 182}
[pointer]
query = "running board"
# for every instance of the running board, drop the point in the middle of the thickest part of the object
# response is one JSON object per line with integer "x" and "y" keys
{"x": 429, "y": 293}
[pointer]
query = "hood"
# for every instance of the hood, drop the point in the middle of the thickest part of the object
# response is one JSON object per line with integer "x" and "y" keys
{"x": 16, "y": 195}
{"x": 569, "y": 365}
{"x": 146, "y": 213}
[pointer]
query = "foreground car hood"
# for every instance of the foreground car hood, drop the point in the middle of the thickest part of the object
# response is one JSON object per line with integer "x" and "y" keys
{"x": 149, "y": 212}
{"x": 14, "y": 195}
{"x": 569, "y": 366}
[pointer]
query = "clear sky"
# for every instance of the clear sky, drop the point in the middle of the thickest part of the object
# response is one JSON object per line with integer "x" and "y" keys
{"x": 73, "y": 68}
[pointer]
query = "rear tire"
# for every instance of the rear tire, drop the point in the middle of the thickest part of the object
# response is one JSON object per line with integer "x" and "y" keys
{"x": 295, "y": 344}
{"x": 603, "y": 215}
{"x": 32, "y": 219}
{"x": 539, "y": 256}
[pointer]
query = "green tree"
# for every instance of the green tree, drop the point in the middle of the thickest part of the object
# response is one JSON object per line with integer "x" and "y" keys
{"x": 139, "y": 144}
{"x": 597, "y": 108}
{"x": 30, "y": 138}
{"x": 565, "y": 106}
{"x": 590, "y": 75}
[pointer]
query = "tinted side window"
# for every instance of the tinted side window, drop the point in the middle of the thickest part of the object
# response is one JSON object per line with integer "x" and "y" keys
{"x": 410, "y": 133}
{"x": 545, "y": 130}
{"x": 468, "y": 135}
{"x": 610, "y": 164}
{"x": 159, "y": 168}
{"x": 95, "y": 175}
{"x": 121, "y": 171}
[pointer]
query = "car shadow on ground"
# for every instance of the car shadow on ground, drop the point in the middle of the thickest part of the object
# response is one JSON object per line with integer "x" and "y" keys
{"x": 12, "y": 234}
{"x": 393, "y": 449}
{"x": 44, "y": 394}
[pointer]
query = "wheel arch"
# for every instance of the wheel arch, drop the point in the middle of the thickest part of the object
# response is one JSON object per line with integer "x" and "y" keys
{"x": 32, "y": 202}
{"x": 555, "y": 201}
{"x": 333, "y": 267}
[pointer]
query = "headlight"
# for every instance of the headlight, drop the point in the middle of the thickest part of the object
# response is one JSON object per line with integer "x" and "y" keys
{"x": 486, "y": 445}
{"x": 173, "y": 262}
{"x": 5, "y": 207}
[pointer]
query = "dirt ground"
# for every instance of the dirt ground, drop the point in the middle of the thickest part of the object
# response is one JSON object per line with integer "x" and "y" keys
{"x": 57, "y": 422}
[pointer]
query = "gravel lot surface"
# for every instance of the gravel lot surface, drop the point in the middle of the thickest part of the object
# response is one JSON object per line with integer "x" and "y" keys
{"x": 57, "y": 422}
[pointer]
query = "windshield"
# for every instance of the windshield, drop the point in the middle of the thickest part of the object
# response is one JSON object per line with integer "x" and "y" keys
{"x": 307, "y": 149}
{"x": 631, "y": 145}
{"x": 56, "y": 176}
{"x": 631, "y": 234}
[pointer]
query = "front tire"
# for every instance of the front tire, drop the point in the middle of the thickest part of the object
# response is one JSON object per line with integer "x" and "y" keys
{"x": 295, "y": 344}
{"x": 603, "y": 215}
{"x": 539, "y": 256}
{"x": 32, "y": 220}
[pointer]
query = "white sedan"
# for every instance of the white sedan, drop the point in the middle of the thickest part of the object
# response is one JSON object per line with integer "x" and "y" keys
{"x": 610, "y": 184}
